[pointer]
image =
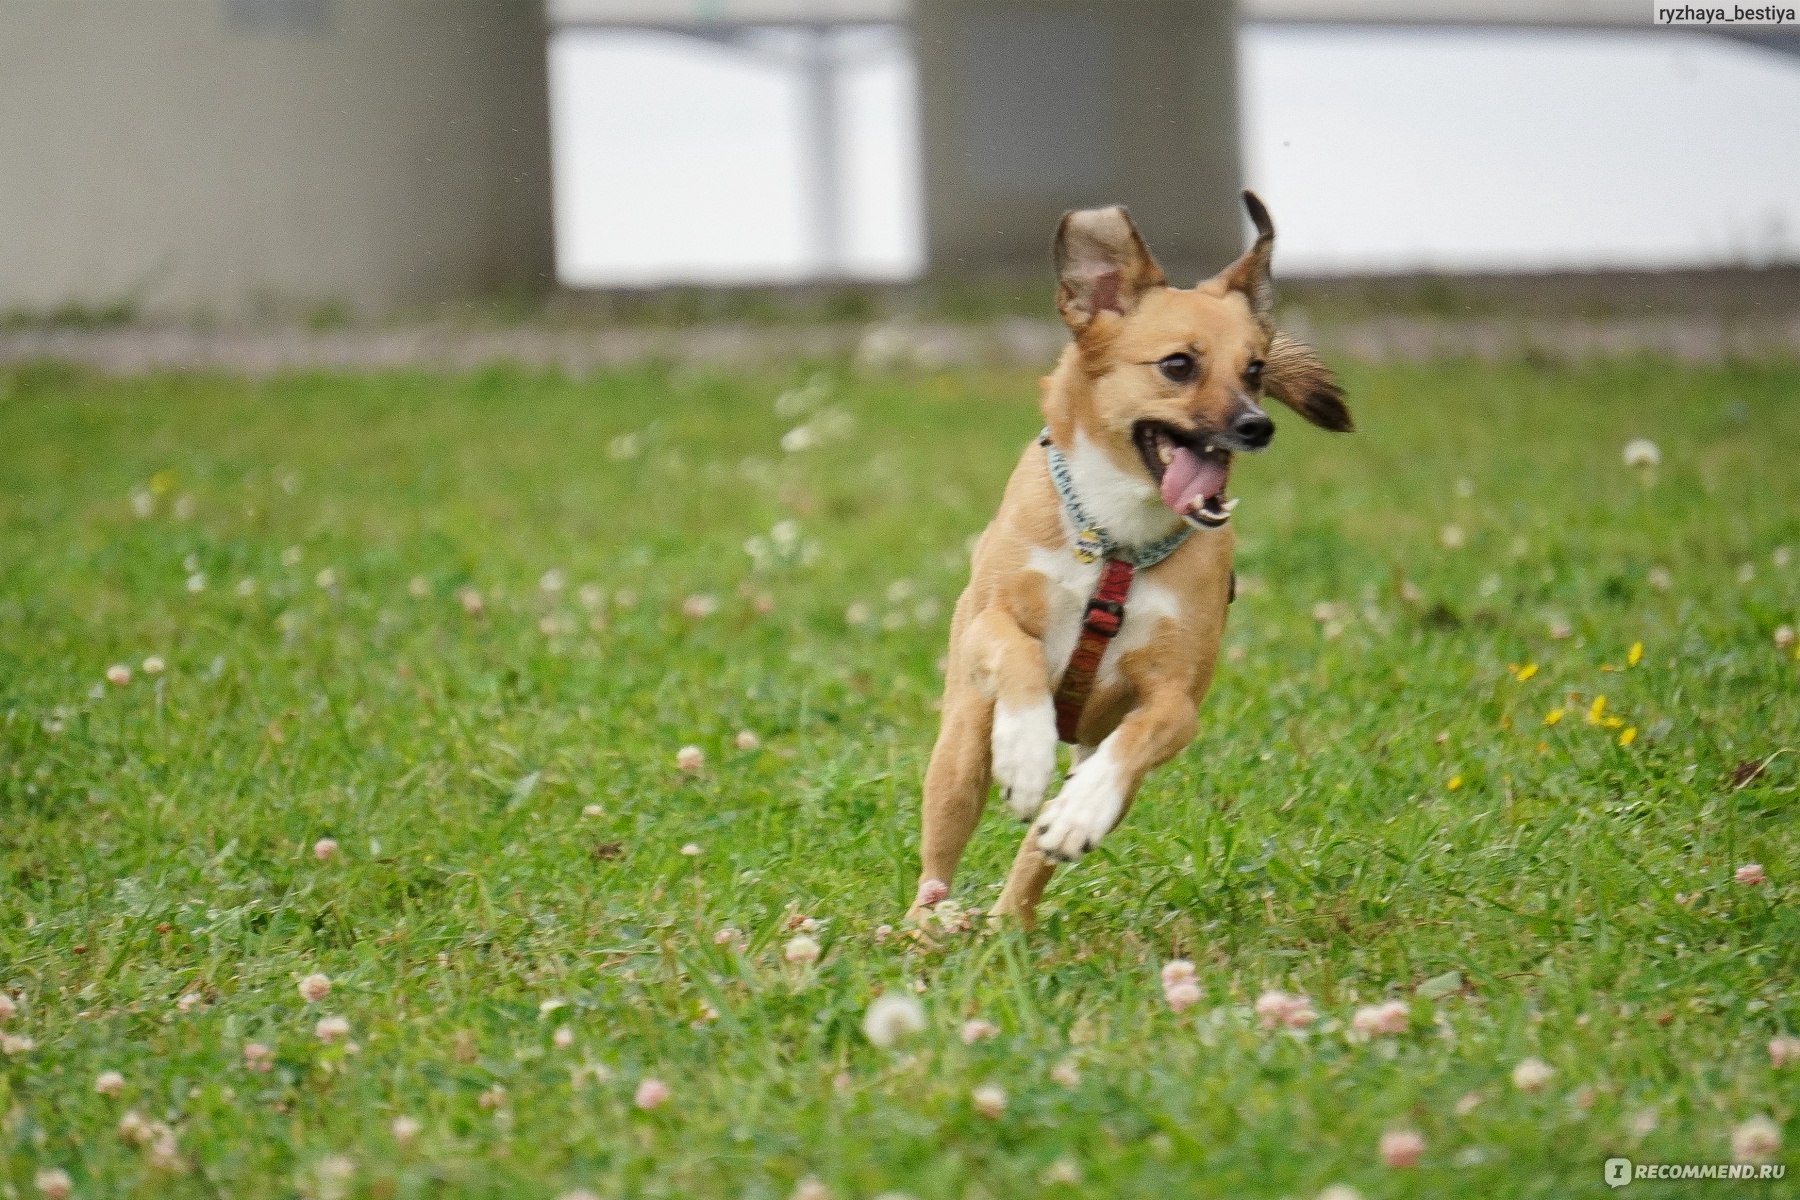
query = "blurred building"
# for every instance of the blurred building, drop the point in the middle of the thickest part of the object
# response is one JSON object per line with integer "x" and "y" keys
{"x": 224, "y": 156}
{"x": 1032, "y": 109}
{"x": 229, "y": 157}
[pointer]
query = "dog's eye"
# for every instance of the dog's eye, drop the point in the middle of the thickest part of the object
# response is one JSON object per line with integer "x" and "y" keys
{"x": 1177, "y": 368}
{"x": 1254, "y": 372}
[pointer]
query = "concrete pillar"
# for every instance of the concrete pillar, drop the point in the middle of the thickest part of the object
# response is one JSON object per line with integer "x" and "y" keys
{"x": 1031, "y": 107}
{"x": 229, "y": 157}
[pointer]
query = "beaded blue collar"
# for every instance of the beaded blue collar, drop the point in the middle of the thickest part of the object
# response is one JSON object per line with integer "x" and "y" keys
{"x": 1091, "y": 541}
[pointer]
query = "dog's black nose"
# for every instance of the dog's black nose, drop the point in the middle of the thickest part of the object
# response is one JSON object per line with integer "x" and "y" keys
{"x": 1254, "y": 429}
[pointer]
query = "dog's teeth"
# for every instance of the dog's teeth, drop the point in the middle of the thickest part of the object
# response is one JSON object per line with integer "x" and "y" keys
{"x": 1230, "y": 504}
{"x": 1163, "y": 452}
{"x": 1209, "y": 448}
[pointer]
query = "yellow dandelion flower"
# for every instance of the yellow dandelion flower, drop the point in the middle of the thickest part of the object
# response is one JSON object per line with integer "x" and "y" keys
{"x": 1611, "y": 722}
{"x": 1635, "y": 655}
{"x": 1629, "y": 736}
{"x": 1596, "y": 710}
{"x": 1527, "y": 671}
{"x": 1554, "y": 715}
{"x": 1455, "y": 782}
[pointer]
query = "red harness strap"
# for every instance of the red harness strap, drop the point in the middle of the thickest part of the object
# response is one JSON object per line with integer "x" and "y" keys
{"x": 1105, "y": 613}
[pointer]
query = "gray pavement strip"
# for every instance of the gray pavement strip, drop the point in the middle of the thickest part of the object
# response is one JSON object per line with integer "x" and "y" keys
{"x": 897, "y": 345}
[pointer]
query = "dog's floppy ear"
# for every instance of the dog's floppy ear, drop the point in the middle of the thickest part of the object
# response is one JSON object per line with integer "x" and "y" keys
{"x": 1102, "y": 265}
{"x": 1293, "y": 374}
{"x": 1250, "y": 273}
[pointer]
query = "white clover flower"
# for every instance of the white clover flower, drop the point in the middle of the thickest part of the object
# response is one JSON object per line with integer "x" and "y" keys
{"x": 1279, "y": 1008}
{"x": 1532, "y": 1075}
{"x": 1388, "y": 1019}
{"x": 135, "y": 1129}
{"x": 1641, "y": 452}
{"x": 989, "y": 1100}
{"x": 893, "y": 1018}
{"x": 1181, "y": 995}
{"x": 54, "y": 1183}
{"x": 1755, "y": 1140}
{"x": 1177, "y": 970}
{"x": 1402, "y": 1148}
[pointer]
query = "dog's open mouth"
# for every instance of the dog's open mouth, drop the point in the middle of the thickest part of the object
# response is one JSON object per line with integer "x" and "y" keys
{"x": 1191, "y": 472}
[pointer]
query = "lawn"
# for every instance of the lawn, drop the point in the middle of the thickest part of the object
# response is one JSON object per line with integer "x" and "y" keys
{"x": 463, "y": 625}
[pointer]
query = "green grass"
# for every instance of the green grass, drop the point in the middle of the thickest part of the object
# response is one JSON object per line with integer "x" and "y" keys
{"x": 156, "y": 838}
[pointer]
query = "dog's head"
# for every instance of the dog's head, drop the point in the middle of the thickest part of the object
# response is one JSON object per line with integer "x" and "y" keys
{"x": 1168, "y": 380}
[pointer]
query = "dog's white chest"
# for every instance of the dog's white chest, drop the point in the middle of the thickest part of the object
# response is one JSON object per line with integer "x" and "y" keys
{"x": 1068, "y": 584}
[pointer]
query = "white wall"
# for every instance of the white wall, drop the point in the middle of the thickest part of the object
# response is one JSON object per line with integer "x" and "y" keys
{"x": 1475, "y": 150}
{"x": 680, "y": 160}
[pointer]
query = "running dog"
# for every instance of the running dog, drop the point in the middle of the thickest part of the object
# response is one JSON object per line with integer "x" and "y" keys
{"x": 1097, "y": 596}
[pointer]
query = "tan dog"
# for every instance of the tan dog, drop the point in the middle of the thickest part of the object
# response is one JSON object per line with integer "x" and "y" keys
{"x": 1145, "y": 408}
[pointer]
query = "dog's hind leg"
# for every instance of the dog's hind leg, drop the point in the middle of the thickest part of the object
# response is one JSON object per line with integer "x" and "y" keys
{"x": 1025, "y": 883}
{"x": 956, "y": 786}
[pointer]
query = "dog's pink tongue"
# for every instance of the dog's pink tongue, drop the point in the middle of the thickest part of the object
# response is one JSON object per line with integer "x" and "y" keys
{"x": 1189, "y": 476}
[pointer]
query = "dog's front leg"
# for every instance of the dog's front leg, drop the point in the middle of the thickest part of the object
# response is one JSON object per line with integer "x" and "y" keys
{"x": 1098, "y": 793}
{"x": 1024, "y": 733}
{"x": 997, "y": 720}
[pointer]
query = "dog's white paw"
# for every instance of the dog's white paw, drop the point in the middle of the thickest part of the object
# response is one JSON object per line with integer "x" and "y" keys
{"x": 1084, "y": 811}
{"x": 1024, "y": 755}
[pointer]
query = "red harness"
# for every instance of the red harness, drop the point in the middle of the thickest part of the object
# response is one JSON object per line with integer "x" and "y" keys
{"x": 1099, "y": 625}
{"x": 1105, "y": 613}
